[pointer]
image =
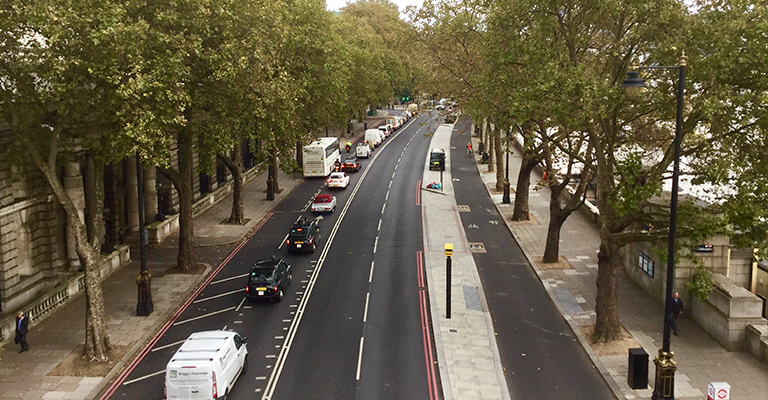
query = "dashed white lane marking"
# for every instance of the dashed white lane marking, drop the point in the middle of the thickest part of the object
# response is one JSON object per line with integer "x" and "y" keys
{"x": 261, "y": 378}
{"x": 365, "y": 312}
{"x": 370, "y": 277}
{"x": 279, "y": 337}
{"x": 271, "y": 356}
{"x": 382, "y": 207}
{"x": 379, "y": 227}
{"x": 359, "y": 358}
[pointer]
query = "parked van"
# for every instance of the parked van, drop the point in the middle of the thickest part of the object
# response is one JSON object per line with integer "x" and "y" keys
{"x": 373, "y": 136}
{"x": 206, "y": 366}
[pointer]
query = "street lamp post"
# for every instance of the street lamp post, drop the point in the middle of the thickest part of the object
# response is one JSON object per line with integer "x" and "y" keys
{"x": 664, "y": 388}
{"x": 144, "y": 306}
{"x": 505, "y": 197}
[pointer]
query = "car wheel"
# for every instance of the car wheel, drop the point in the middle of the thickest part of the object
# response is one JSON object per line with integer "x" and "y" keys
{"x": 290, "y": 277}
{"x": 314, "y": 247}
{"x": 333, "y": 209}
{"x": 244, "y": 369}
{"x": 280, "y": 295}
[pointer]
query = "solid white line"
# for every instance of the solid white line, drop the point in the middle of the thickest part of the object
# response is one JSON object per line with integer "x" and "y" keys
{"x": 283, "y": 242}
{"x": 360, "y": 358}
{"x": 365, "y": 312}
{"x": 203, "y": 316}
{"x": 217, "y": 296}
{"x": 229, "y": 279}
{"x": 370, "y": 277}
{"x": 175, "y": 343}
{"x": 143, "y": 377}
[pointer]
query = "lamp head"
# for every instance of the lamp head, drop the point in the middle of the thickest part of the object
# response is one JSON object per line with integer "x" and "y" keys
{"x": 634, "y": 84}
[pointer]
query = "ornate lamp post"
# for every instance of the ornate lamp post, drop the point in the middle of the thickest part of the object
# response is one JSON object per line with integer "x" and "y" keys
{"x": 664, "y": 388}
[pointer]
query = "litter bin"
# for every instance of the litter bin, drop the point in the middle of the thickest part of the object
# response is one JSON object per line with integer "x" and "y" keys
{"x": 637, "y": 376}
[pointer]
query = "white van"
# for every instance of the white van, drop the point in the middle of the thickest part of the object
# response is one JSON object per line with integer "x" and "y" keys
{"x": 206, "y": 366}
{"x": 373, "y": 136}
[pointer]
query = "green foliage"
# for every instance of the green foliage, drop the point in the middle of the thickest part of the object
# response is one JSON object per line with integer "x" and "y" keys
{"x": 633, "y": 189}
{"x": 700, "y": 284}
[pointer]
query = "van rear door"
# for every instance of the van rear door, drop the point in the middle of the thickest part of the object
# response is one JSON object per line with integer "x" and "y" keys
{"x": 189, "y": 382}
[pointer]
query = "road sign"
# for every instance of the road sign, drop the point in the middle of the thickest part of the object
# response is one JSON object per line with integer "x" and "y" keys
{"x": 718, "y": 391}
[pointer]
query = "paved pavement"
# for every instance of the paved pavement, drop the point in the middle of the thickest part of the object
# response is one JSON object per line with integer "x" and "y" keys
{"x": 466, "y": 346}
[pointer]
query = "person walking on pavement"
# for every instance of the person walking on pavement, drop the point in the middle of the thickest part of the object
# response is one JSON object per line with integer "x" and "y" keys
{"x": 676, "y": 308}
{"x": 22, "y": 327}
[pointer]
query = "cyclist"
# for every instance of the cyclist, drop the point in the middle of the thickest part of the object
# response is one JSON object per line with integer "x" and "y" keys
{"x": 469, "y": 148}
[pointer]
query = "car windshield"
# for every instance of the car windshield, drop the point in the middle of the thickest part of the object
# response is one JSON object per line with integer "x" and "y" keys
{"x": 262, "y": 275}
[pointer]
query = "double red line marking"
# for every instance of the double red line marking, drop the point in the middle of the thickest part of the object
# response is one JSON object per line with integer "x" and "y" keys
{"x": 180, "y": 310}
{"x": 425, "y": 331}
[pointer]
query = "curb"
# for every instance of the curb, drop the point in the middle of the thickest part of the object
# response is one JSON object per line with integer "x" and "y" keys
{"x": 130, "y": 354}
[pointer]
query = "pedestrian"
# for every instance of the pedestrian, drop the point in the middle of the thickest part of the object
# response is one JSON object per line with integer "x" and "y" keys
{"x": 22, "y": 324}
{"x": 469, "y": 148}
{"x": 675, "y": 309}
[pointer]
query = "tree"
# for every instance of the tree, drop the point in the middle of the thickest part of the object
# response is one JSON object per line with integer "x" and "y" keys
{"x": 62, "y": 67}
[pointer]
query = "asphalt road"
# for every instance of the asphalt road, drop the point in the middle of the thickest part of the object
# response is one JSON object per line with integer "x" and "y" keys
{"x": 352, "y": 323}
{"x": 541, "y": 356}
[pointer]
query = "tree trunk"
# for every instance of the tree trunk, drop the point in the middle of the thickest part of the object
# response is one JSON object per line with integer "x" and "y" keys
{"x": 299, "y": 154}
{"x": 186, "y": 259}
{"x": 96, "y": 334}
{"x": 607, "y": 324}
{"x": 499, "y": 159}
{"x": 522, "y": 189}
{"x": 235, "y": 166}
{"x": 275, "y": 181}
{"x": 556, "y": 219}
{"x": 491, "y": 152}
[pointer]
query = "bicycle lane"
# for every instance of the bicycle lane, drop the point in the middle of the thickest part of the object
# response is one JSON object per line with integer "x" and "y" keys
{"x": 539, "y": 352}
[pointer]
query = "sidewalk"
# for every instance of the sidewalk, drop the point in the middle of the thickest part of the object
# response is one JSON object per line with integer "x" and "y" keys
{"x": 31, "y": 375}
{"x": 700, "y": 358}
{"x": 467, "y": 354}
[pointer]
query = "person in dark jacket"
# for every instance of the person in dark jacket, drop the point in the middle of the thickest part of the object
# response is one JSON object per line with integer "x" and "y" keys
{"x": 675, "y": 309}
{"x": 22, "y": 324}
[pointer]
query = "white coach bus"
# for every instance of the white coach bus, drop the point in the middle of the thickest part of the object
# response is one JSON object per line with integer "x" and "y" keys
{"x": 320, "y": 155}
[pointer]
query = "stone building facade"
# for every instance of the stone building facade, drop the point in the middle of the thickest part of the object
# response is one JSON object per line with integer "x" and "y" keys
{"x": 37, "y": 251}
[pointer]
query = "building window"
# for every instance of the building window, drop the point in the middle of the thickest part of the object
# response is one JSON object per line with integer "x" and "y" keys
{"x": 646, "y": 264}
